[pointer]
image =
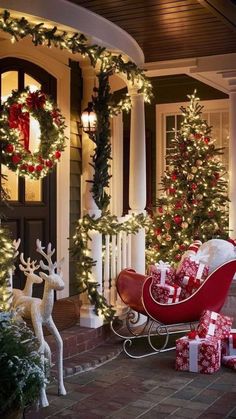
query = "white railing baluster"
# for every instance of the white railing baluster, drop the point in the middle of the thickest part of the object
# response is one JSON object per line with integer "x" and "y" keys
{"x": 124, "y": 250}
{"x": 106, "y": 269}
{"x": 129, "y": 250}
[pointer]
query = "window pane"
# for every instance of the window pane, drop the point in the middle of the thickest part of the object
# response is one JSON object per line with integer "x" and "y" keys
{"x": 169, "y": 136}
{"x": 32, "y": 83}
{"x": 10, "y": 184}
{"x": 179, "y": 120}
{"x": 9, "y": 83}
{"x": 170, "y": 122}
{"x": 33, "y": 190}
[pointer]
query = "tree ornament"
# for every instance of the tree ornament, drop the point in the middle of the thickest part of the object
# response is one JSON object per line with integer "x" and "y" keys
{"x": 177, "y": 219}
{"x": 158, "y": 231}
{"x": 160, "y": 210}
{"x": 199, "y": 196}
{"x": 194, "y": 169}
{"x": 178, "y": 256}
{"x": 206, "y": 140}
{"x": 167, "y": 225}
{"x": 199, "y": 162}
{"x": 197, "y": 136}
{"x": 168, "y": 238}
{"x": 184, "y": 225}
{"x": 15, "y": 135}
{"x": 194, "y": 186}
{"x": 174, "y": 176}
{"x": 172, "y": 191}
{"x": 190, "y": 176}
{"x": 178, "y": 205}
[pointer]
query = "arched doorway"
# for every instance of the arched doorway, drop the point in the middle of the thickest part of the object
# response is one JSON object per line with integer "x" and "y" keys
{"x": 32, "y": 210}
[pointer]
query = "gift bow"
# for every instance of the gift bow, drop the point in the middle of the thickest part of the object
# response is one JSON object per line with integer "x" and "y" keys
{"x": 163, "y": 267}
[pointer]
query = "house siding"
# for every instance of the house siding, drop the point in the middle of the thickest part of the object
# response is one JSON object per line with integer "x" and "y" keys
{"x": 75, "y": 157}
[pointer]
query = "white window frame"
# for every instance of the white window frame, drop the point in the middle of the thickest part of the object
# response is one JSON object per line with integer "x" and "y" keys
{"x": 168, "y": 109}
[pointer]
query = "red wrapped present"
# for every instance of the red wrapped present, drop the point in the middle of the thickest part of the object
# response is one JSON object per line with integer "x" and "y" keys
{"x": 191, "y": 266}
{"x": 165, "y": 294}
{"x": 214, "y": 324}
{"x": 198, "y": 355}
{"x": 229, "y": 361}
{"x": 189, "y": 285}
{"x": 229, "y": 344}
{"x": 163, "y": 270}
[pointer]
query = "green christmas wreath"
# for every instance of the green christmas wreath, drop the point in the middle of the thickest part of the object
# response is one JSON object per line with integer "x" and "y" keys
{"x": 15, "y": 138}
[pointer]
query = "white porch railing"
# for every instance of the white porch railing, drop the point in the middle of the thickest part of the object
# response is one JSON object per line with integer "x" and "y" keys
{"x": 116, "y": 256}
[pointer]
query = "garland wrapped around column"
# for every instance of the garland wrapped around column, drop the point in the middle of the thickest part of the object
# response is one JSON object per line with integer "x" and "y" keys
{"x": 106, "y": 224}
{"x": 6, "y": 262}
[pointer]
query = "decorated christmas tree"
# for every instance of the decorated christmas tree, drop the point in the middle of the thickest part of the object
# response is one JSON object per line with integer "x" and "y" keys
{"x": 193, "y": 202}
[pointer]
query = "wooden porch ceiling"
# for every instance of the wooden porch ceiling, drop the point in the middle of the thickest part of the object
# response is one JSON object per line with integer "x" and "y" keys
{"x": 173, "y": 29}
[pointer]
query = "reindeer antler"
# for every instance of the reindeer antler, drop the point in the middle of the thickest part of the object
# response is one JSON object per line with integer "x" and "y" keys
{"x": 48, "y": 256}
{"x": 29, "y": 267}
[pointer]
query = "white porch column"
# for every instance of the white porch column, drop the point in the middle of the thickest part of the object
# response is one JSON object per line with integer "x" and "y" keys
{"x": 232, "y": 163}
{"x": 137, "y": 176}
{"x": 116, "y": 182}
{"x": 87, "y": 316}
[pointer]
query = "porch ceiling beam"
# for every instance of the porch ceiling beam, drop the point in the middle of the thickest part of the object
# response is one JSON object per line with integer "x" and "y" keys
{"x": 224, "y": 10}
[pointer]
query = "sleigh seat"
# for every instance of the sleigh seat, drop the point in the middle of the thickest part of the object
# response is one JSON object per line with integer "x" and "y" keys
{"x": 165, "y": 319}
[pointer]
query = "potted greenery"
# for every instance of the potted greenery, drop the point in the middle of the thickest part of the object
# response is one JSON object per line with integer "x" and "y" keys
{"x": 21, "y": 369}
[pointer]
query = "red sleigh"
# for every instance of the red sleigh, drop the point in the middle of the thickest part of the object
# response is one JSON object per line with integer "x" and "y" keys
{"x": 135, "y": 291}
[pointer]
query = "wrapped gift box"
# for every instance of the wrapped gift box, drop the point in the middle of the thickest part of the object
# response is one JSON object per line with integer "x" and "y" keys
{"x": 189, "y": 285}
{"x": 192, "y": 267}
{"x": 229, "y": 344}
{"x": 214, "y": 324}
{"x": 229, "y": 361}
{"x": 198, "y": 355}
{"x": 165, "y": 294}
{"x": 155, "y": 272}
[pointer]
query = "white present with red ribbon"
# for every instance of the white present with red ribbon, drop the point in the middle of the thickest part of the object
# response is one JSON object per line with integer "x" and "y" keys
{"x": 229, "y": 361}
{"x": 165, "y": 294}
{"x": 229, "y": 344}
{"x": 161, "y": 290}
{"x": 198, "y": 355}
{"x": 162, "y": 271}
{"x": 192, "y": 267}
{"x": 214, "y": 324}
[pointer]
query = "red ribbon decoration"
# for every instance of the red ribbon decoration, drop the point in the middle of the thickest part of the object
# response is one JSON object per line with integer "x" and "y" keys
{"x": 20, "y": 120}
{"x": 36, "y": 100}
{"x": 174, "y": 296}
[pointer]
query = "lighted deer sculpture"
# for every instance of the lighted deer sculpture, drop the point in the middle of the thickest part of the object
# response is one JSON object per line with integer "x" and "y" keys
{"x": 31, "y": 278}
{"x": 40, "y": 312}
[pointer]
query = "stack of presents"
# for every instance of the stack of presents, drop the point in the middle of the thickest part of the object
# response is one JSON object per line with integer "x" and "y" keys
{"x": 214, "y": 341}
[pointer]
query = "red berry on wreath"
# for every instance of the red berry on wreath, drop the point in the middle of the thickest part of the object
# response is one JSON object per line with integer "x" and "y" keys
{"x": 31, "y": 168}
{"x": 49, "y": 163}
{"x": 57, "y": 154}
{"x": 16, "y": 158}
{"x": 24, "y": 167}
{"x": 9, "y": 148}
{"x": 39, "y": 167}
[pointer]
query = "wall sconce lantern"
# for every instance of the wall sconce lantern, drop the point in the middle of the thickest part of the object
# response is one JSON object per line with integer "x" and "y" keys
{"x": 89, "y": 119}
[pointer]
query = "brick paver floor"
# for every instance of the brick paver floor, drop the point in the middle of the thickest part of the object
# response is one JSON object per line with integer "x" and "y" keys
{"x": 146, "y": 388}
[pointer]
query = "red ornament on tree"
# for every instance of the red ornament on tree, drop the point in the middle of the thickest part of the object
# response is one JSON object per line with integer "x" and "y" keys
{"x": 178, "y": 205}
{"x": 177, "y": 219}
{"x": 178, "y": 257}
{"x": 172, "y": 191}
{"x": 174, "y": 176}
{"x": 197, "y": 136}
{"x": 206, "y": 140}
{"x": 158, "y": 231}
{"x": 160, "y": 210}
{"x": 194, "y": 186}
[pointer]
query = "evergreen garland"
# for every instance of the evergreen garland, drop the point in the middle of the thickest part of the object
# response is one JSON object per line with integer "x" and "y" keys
{"x": 6, "y": 261}
{"x": 106, "y": 224}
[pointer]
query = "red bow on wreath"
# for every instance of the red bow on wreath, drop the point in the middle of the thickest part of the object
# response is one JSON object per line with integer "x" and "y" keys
{"x": 36, "y": 100}
{"x": 19, "y": 120}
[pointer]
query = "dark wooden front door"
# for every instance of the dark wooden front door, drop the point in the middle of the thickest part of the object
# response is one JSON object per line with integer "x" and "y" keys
{"x": 32, "y": 210}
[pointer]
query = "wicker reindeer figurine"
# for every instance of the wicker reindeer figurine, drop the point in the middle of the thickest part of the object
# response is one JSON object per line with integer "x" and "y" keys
{"x": 40, "y": 311}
